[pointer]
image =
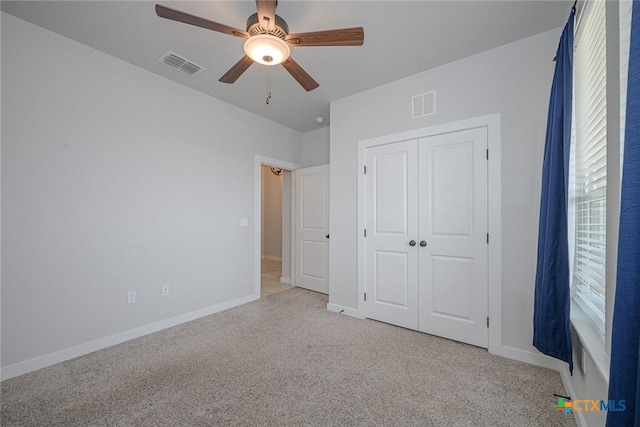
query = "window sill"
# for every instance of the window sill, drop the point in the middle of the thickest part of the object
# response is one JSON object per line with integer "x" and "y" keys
{"x": 591, "y": 339}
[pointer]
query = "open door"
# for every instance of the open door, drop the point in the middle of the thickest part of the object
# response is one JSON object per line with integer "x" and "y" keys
{"x": 312, "y": 228}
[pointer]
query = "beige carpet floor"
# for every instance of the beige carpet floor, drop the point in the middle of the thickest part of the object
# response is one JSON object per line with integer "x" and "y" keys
{"x": 285, "y": 361}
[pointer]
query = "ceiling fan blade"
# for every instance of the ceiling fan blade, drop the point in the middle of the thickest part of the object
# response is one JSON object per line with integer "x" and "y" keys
{"x": 236, "y": 71}
{"x": 305, "y": 80}
{"x": 342, "y": 37}
{"x": 266, "y": 13}
{"x": 176, "y": 15}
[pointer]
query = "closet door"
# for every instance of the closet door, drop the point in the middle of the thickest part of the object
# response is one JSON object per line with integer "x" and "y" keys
{"x": 453, "y": 226}
{"x": 391, "y": 218}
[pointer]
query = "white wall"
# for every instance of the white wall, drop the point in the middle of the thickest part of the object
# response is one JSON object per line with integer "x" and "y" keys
{"x": 116, "y": 179}
{"x": 315, "y": 147}
{"x": 513, "y": 80}
{"x": 271, "y": 214}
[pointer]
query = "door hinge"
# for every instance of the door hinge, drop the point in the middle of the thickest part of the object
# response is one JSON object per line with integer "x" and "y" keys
{"x": 365, "y": 170}
{"x": 365, "y": 296}
{"x": 365, "y": 232}
{"x": 487, "y": 154}
{"x": 487, "y": 238}
{"x": 487, "y": 321}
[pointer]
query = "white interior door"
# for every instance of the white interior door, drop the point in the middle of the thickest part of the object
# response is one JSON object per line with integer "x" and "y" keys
{"x": 312, "y": 228}
{"x": 453, "y": 225}
{"x": 391, "y": 218}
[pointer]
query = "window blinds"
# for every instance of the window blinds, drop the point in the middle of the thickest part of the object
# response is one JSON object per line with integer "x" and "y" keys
{"x": 625, "y": 7}
{"x": 588, "y": 195}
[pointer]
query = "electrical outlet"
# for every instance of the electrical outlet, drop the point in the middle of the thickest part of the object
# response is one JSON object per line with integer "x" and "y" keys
{"x": 165, "y": 290}
{"x": 131, "y": 297}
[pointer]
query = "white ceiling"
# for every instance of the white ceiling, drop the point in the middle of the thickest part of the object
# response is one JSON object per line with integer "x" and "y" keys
{"x": 401, "y": 38}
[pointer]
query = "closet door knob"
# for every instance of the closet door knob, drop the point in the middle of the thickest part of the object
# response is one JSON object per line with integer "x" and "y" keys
{"x": 412, "y": 243}
{"x": 423, "y": 243}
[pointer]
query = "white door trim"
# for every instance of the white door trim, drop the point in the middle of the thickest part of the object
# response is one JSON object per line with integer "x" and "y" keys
{"x": 257, "y": 213}
{"x": 494, "y": 189}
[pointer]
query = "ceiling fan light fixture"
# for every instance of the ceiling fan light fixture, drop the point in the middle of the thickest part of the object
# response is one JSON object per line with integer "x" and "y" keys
{"x": 267, "y": 49}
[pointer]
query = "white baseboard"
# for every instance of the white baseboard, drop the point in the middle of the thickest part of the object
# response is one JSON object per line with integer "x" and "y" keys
{"x": 272, "y": 258}
{"x": 345, "y": 310}
{"x": 99, "y": 344}
{"x": 571, "y": 392}
{"x": 531, "y": 358}
{"x": 286, "y": 280}
{"x": 540, "y": 359}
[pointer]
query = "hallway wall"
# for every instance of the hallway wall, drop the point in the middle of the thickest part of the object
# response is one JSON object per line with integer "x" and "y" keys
{"x": 271, "y": 214}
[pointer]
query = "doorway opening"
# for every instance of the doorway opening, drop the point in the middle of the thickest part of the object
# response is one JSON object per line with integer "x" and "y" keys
{"x": 275, "y": 248}
{"x": 286, "y": 257}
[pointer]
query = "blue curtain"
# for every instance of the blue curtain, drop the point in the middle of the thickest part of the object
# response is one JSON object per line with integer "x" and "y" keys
{"x": 551, "y": 333}
{"x": 624, "y": 382}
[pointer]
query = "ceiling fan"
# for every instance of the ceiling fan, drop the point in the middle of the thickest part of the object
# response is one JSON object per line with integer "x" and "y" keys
{"x": 268, "y": 40}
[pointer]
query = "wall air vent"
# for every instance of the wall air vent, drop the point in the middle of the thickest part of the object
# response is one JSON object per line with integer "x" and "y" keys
{"x": 423, "y": 105}
{"x": 176, "y": 61}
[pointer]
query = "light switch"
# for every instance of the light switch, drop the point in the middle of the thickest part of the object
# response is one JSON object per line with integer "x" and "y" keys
{"x": 244, "y": 222}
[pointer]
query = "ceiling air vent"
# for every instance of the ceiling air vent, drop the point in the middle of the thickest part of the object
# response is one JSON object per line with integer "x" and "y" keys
{"x": 182, "y": 64}
{"x": 423, "y": 105}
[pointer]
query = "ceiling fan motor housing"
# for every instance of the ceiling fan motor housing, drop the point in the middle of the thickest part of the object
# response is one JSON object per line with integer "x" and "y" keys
{"x": 280, "y": 30}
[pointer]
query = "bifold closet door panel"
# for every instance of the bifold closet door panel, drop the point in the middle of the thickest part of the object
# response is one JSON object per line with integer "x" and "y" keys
{"x": 391, "y": 218}
{"x": 453, "y": 225}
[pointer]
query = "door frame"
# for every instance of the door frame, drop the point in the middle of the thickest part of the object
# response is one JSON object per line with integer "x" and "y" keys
{"x": 257, "y": 214}
{"x": 494, "y": 216}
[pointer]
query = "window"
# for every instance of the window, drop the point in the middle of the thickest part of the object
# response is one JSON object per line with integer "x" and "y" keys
{"x": 588, "y": 183}
{"x": 625, "y": 38}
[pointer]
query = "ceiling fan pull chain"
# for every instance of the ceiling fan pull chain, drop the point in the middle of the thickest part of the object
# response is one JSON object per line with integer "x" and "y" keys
{"x": 268, "y": 84}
